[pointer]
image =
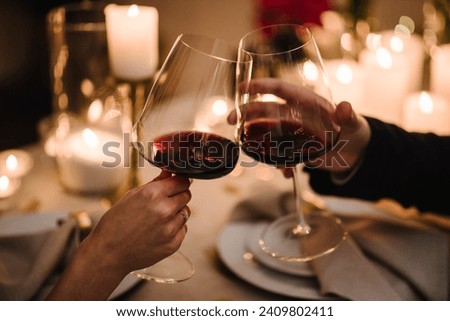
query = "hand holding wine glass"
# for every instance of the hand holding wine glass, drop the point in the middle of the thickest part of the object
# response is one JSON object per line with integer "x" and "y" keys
{"x": 286, "y": 117}
{"x": 183, "y": 127}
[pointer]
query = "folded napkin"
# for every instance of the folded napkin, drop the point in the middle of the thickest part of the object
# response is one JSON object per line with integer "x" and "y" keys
{"x": 31, "y": 262}
{"x": 381, "y": 259}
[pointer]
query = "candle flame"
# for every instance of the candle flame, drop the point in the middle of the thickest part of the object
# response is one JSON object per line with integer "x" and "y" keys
{"x": 347, "y": 41}
{"x": 133, "y": 11}
{"x": 90, "y": 138}
{"x": 397, "y": 44}
{"x": 384, "y": 58}
{"x": 219, "y": 107}
{"x": 11, "y": 162}
{"x": 344, "y": 74}
{"x": 425, "y": 103}
{"x": 95, "y": 111}
{"x": 373, "y": 41}
{"x": 4, "y": 183}
{"x": 310, "y": 70}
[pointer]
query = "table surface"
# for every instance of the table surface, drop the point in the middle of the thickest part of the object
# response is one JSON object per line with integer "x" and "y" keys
{"x": 211, "y": 205}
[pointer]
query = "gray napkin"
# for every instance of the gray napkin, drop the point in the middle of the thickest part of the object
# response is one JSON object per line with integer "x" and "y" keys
{"x": 380, "y": 259}
{"x": 30, "y": 263}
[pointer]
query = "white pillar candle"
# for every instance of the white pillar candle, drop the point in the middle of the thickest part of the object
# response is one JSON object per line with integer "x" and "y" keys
{"x": 440, "y": 71}
{"x": 81, "y": 160}
{"x": 15, "y": 163}
{"x": 409, "y": 48}
{"x": 132, "y": 33}
{"x": 386, "y": 84}
{"x": 425, "y": 112}
{"x": 346, "y": 82}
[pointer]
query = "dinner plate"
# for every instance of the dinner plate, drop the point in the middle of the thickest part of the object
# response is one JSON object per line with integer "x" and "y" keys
{"x": 252, "y": 245}
{"x": 20, "y": 224}
{"x": 233, "y": 251}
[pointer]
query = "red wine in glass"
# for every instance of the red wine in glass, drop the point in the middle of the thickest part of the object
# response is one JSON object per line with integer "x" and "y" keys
{"x": 283, "y": 142}
{"x": 195, "y": 154}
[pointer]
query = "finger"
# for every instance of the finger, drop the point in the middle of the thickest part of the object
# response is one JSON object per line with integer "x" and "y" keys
{"x": 232, "y": 117}
{"x": 346, "y": 116}
{"x": 287, "y": 172}
{"x": 170, "y": 186}
{"x": 179, "y": 200}
{"x": 183, "y": 216}
{"x": 163, "y": 175}
{"x": 179, "y": 236}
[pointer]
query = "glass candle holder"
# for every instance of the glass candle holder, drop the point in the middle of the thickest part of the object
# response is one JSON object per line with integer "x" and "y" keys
{"x": 92, "y": 148}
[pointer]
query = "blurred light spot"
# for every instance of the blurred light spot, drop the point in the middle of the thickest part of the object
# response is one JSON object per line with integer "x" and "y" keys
{"x": 384, "y": 58}
{"x": 95, "y": 111}
{"x": 310, "y": 71}
{"x": 425, "y": 103}
{"x": 408, "y": 23}
{"x": 219, "y": 107}
{"x": 396, "y": 44}
{"x": 373, "y": 41}
{"x": 87, "y": 87}
{"x": 344, "y": 74}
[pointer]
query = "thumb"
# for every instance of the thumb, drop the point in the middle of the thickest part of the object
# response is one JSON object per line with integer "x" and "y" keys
{"x": 346, "y": 116}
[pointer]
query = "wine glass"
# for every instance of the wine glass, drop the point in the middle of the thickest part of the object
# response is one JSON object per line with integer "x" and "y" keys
{"x": 183, "y": 127}
{"x": 285, "y": 118}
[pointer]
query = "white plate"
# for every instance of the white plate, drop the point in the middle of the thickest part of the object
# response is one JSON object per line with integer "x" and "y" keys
{"x": 352, "y": 207}
{"x": 20, "y": 224}
{"x": 231, "y": 247}
{"x": 294, "y": 268}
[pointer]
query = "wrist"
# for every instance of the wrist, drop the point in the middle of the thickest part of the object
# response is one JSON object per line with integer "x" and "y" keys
{"x": 343, "y": 177}
{"x": 90, "y": 275}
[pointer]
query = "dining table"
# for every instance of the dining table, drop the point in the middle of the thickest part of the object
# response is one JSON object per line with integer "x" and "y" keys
{"x": 214, "y": 206}
{"x": 211, "y": 205}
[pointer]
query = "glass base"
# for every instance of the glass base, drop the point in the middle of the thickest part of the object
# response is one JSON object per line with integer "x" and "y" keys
{"x": 280, "y": 241}
{"x": 173, "y": 269}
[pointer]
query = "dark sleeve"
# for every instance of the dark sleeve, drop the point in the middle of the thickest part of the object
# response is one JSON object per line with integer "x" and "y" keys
{"x": 412, "y": 168}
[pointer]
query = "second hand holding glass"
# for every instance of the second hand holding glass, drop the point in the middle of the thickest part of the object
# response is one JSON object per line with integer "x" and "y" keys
{"x": 183, "y": 127}
{"x": 285, "y": 118}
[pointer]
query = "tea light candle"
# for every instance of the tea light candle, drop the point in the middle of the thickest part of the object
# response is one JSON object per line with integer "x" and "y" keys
{"x": 132, "y": 34}
{"x": 80, "y": 162}
{"x": 8, "y": 186}
{"x": 425, "y": 112}
{"x": 15, "y": 163}
{"x": 440, "y": 76}
{"x": 346, "y": 82}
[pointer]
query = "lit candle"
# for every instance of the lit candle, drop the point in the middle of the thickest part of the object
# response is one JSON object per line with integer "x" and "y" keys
{"x": 440, "y": 75}
{"x": 409, "y": 48}
{"x": 346, "y": 82}
{"x": 15, "y": 163}
{"x": 214, "y": 112}
{"x": 8, "y": 186}
{"x": 132, "y": 33}
{"x": 86, "y": 165}
{"x": 386, "y": 84}
{"x": 425, "y": 112}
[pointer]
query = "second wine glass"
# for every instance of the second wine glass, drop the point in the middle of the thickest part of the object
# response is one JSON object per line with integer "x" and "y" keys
{"x": 183, "y": 127}
{"x": 285, "y": 118}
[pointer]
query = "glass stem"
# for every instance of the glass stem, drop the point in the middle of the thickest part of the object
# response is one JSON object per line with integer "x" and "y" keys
{"x": 302, "y": 227}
